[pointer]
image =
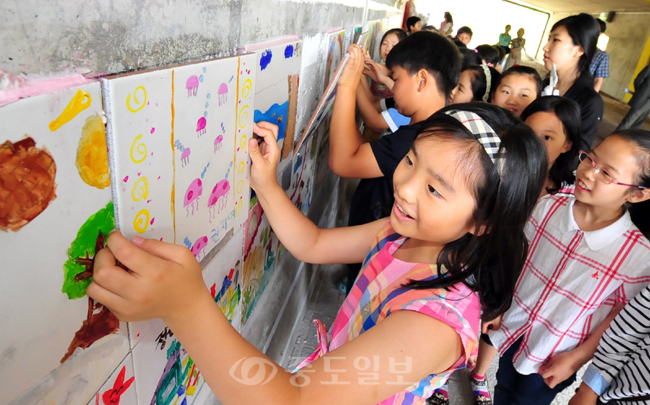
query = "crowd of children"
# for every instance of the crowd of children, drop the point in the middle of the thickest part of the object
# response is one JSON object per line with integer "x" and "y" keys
{"x": 484, "y": 223}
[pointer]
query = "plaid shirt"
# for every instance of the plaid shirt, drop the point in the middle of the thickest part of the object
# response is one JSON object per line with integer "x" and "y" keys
{"x": 600, "y": 64}
{"x": 570, "y": 282}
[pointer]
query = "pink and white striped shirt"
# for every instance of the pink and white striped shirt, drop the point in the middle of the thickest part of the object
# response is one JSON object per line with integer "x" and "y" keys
{"x": 571, "y": 281}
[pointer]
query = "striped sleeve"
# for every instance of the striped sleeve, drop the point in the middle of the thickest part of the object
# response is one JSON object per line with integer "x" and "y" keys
{"x": 623, "y": 355}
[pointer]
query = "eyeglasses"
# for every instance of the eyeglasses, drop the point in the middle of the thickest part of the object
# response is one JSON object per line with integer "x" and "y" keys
{"x": 601, "y": 174}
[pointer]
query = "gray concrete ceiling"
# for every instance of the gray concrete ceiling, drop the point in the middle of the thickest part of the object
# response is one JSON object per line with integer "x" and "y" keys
{"x": 591, "y": 6}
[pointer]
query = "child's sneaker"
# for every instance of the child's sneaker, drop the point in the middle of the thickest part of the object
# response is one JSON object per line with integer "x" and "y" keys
{"x": 480, "y": 390}
{"x": 440, "y": 396}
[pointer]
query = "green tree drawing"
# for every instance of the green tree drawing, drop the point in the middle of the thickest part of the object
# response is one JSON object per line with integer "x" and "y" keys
{"x": 78, "y": 272}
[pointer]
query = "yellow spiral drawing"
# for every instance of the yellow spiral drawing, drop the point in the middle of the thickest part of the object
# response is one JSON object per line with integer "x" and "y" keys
{"x": 240, "y": 186}
{"x": 140, "y": 148}
{"x": 140, "y": 189}
{"x": 141, "y": 221}
{"x": 246, "y": 88}
{"x": 244, "y": 142}
{"x": 238, "y": 207}
{"x": 135, "y": 98}
{"x": 243, "y": 116}
{"x": 242, "y": 167}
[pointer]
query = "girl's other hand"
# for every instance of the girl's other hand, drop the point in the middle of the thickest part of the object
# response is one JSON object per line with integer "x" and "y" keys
{"x": 163, "y": 280}
{"x": 559, "y": 368}
{"x": 353, "y": 69}
{"x": 265, "y": 153}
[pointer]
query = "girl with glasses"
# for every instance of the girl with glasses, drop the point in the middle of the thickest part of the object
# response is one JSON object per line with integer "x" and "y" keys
{"x": 587, "y": 258}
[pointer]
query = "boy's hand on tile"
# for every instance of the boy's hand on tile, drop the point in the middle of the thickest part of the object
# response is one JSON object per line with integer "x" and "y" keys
{"x": 353, "y": 69}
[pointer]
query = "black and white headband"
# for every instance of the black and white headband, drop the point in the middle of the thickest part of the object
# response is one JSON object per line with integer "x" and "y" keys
{"x": 483, "y": 133}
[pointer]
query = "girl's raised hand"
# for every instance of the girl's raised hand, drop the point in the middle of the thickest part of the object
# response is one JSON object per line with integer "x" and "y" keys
{"x": 265, "y": 154}
{"x": 353, "y": 69}
{"x": 163, "y": 280}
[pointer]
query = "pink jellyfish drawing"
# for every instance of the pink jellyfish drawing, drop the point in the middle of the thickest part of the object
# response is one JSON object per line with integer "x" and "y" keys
{"x": 218, "y": 197}
{"x": 198, "y": 249}
{"x": 223, "y": 94}
{"x": 192, "y": 196}
{"x": 200, "y": 126}
{"x": 185, "y": 157}
{"x": 192, "y": 85}
{"x": 217, "y": 143}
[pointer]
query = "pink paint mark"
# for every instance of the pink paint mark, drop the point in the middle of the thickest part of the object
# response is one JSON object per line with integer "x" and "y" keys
{"x": 151, "y": 153}
{"x": 158, "y": 177}
{"x": 152, "y": 219}
{"x": 238, "y": 149}
{"x": 161, "y": 241}
{"x": 147, "y": 103}
{"x": 126, "y": 179}
{"x": 21, "y": 86}
{"x": 138, "y": 333}
{"x": 147, "y": 120}
{"x": 157, "y": 106}
{"x": 139, "y": 173}
{"x": 153, "y": 130}
{"x": 148, "y": 201}
{"x": 123, "y": 188}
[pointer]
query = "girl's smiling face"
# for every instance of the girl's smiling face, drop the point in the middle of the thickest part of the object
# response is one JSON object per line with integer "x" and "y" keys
{"x": 387, "y": 44}
{"x": 615, "y": 157}
{"x": 433, "y": 201}
{"x": 561, "y": 50}
{"x": 463, "y": 92}
{"x": 515, "y": 93}
{"x": 549, "y": 129}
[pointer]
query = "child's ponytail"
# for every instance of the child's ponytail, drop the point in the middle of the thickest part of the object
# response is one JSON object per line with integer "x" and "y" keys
{"x": 506, "y": 191}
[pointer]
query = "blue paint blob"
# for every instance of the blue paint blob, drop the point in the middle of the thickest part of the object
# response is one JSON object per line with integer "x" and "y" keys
{"x": 187, "y": 243}
{"x": 288, "y": 52}
{"x": 204, "y": 69}
{"x": 184, "y": 401}
{"x": 266, "y": 59}
{"x": 277, "y": 115}
{"x": 201, "y": 78}
{"x": 208, "y": 95}
{"x": 205, "y": 114}
{"x": 181, "y": 390}
{"x": 230, "y": 164}
{"x": 207, "y": 104}
{"x": 298, "y": 163}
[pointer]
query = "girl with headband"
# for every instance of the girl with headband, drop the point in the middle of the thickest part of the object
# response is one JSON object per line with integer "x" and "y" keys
{"x": 450, "y": 251}
{"x": 476, "y": 83}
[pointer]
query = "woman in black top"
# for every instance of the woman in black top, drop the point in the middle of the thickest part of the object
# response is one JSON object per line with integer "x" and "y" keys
{"x": 571, "y": 46}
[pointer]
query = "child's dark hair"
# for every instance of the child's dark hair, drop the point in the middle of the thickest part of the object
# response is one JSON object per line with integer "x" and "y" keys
{"x": 640, "y": 212}
{"x": 411, "y": 21}
{"x": 479, "y": 82}
{"x": 501, "y": 51}
{"x": 469, "y": 57}
{"x": 401, "y": 34}
{"x": 490, "y": 262}
{"x": 584, "y": 32}
{"x": 528, "y": 71}
{"x": 431, "y": 52}
{"x": 489, "y": 54}
{"x": 602, "y": 25}
{"x": 465, "y": 30}
{"x": 448, "y": 17}
{"x": 568, "y": 112}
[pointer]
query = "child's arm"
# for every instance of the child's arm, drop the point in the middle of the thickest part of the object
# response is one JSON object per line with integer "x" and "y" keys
{"x": 379, "y": 73}
{"x": 350, "y": 155}
{"x": 371, "y": 117}
{"x": 298, "y": 234}
{"x": 617, "y": 350}
{"x": 165, "y": 282}
{"x": 563, "y": 365}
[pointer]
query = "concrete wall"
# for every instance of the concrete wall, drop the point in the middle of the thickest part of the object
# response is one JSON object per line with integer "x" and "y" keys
{"x": 627, "y": 34}
{"x": 120, "y": 35}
